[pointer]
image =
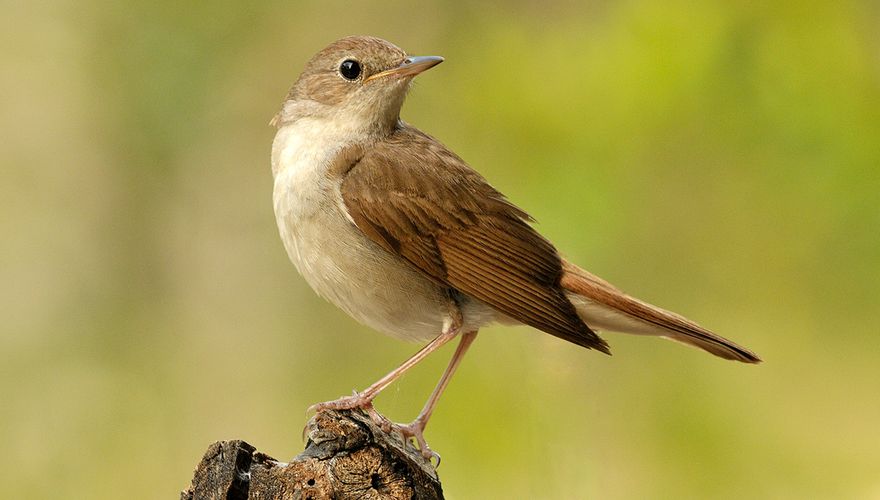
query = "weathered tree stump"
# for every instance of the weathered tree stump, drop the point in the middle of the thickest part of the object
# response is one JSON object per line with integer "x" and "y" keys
{"x": 346, "y": 456}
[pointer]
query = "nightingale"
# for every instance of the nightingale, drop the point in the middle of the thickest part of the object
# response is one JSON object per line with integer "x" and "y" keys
{"x": 388, "y": 224}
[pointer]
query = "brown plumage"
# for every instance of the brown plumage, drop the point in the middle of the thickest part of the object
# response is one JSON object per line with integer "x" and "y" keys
{"x": 675, "y": 327}
{"x": 396, "y": 230}
{"x": 417, "y": 199}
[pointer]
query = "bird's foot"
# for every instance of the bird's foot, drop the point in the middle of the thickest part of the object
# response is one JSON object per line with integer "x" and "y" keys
{"x": 416, "y": 430}
{"x": 413, "y": 431}
{"x": 358, "y": 400}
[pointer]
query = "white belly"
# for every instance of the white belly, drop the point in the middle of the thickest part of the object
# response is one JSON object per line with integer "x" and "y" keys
{"x": 340, "y": 263}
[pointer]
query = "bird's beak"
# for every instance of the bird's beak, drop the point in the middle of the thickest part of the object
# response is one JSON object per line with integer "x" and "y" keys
{"x": 411, "y": 66}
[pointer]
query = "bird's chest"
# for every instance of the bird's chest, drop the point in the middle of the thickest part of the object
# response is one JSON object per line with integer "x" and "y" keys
{"x": 337, "y": 260}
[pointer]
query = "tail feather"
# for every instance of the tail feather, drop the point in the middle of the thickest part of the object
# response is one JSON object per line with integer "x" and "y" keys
{"x": 602, "y": 305}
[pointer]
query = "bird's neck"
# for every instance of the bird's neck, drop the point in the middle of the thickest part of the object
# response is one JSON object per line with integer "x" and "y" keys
{"x": 315, "y": 142}
{"x": 357, "y": 118}
{"x": 313, "y": 133}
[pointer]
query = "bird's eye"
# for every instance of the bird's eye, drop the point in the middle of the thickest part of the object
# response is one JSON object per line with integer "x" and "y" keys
{"x": 350, "y": 69}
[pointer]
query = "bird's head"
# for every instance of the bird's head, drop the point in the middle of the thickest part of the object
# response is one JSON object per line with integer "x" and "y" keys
{"x": 358, "y": 80}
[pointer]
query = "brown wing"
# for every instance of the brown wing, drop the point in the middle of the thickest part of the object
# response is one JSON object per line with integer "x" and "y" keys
{"x": 419, "y": 200}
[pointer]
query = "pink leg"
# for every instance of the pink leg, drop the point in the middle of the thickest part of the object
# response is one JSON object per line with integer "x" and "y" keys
{"x": 416, "y": 428}
{"x": 364, "y": 399}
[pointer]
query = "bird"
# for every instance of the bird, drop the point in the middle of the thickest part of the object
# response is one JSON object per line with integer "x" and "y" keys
{"x": 398, "y": 231}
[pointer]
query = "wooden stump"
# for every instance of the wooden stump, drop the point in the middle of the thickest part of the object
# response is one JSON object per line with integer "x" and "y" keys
{"x": 346, "y": 456}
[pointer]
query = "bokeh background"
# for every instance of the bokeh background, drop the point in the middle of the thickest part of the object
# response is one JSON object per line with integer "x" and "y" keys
{"x": 721, "y": 159}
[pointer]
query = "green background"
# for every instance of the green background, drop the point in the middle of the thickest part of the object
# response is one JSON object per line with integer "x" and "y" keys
{"x": 721, "y": 159}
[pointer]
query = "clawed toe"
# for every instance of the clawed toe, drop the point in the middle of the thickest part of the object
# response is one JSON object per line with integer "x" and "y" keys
{"x": 408, "y": 432}
{"x": 411, "y": 433}
{"x": 378, "y": 419}
{"x": 355, "y": 401}
{"x": 415, "y": 431}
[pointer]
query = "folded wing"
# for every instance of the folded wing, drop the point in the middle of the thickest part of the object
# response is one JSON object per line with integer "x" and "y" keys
{"x": 417, "y": 199}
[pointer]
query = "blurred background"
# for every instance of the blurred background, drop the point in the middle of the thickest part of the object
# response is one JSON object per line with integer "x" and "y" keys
{"x": 721, "y": 159}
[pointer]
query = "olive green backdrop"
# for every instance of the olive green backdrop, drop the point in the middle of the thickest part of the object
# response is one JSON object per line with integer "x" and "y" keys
{"x": 721, "y": 159}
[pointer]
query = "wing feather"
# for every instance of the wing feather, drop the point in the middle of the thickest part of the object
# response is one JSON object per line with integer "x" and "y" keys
{"x": 420, "y": 201}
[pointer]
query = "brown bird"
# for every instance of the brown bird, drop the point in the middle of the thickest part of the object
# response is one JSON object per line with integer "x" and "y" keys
{"x": 384, "y": 221}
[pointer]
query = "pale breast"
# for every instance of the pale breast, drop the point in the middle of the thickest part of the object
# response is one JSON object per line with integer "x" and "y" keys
{"x": 342, "y": 265}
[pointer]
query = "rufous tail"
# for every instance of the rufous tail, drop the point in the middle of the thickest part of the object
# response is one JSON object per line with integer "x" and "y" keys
{"x": 602, "y": 306}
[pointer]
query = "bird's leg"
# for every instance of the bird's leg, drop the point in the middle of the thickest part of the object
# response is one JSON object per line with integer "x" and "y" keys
{"x": 364, "y": 399}
{"x": 416, "y": 428}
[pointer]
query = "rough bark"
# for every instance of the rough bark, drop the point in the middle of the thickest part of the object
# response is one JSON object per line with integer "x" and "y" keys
{"x": 346, "y": 456}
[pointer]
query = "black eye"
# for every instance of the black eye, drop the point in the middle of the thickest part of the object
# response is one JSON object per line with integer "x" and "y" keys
{"x": 350, "y": 69}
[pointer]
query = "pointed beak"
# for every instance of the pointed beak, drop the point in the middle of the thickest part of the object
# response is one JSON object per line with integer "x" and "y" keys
{"x": 411, "y": 66}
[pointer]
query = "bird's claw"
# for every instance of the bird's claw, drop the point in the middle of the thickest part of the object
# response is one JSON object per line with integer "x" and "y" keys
{"x": 380, "y": 420}
{"x": 413, "y": 431}
{"x": 355, "y": 401}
